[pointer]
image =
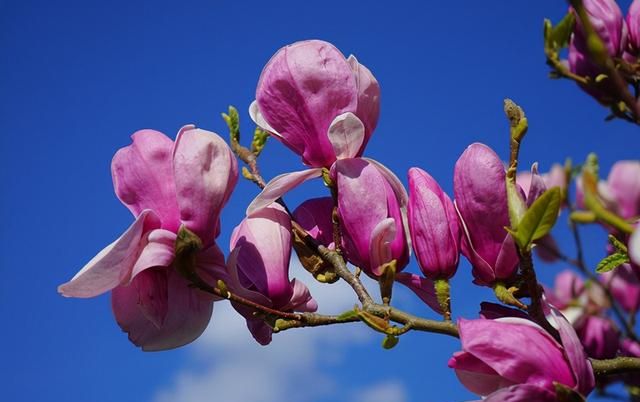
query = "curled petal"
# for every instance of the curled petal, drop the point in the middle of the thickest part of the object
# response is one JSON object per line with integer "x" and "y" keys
{"x": 368, "y": 97}
{"x": 280, "y": 185}
{"x": 159, "y": 251}
{"x": 346, "y": 134}
{"x": 314, "y": 216}
{"x": 114, "y": 264}
{"x": 206, "y": 172}
{"x": 143, "y": 177}
{"x": 301, "y": 299}
{"x": 475, "y": 375}
{"x": 258, "y": 118}
{"x": 380, "y": 247}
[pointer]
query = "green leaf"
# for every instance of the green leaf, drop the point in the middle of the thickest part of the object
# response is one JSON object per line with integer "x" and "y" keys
{"x": 260, "y": 138}
{"x": 560, "y": 34}
{"x": 612, "y": 262}
{"x": 539, "y": 218}
{"x": 390, "y": 341}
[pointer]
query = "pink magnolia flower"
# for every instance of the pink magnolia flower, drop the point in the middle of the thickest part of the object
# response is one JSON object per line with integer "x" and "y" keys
{"x": 261, "y": 250}
{"x": 624, "y": 283}
{"x": 633, "y": 25}
{"x": 317, "y": 102}
{"x": 598, "y": 335}
{"x": 608, "y": 22}
{"x": 372, "y": 222}
{"x": 493, "y": 361}
{"x": 434, "y": 226}
{"x": 165, "y": 186}
{"x": 622, "y": 189}
{"x": 481, "y": 199}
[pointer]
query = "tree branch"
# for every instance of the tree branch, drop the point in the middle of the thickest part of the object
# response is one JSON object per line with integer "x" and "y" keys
{"x": 618, "y": 365}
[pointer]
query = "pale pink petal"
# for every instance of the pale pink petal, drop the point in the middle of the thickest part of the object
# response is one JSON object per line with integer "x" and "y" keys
{"x": 159, "y": 251}
{"x": 206, "y": 173}
{"x": 475, "y": 375}
{"x": 280, "y": 185}
{"x": 188, "y": 312}
{"x": 113, "y": 265}
{"x": 634, "y": 246}
{"x": 380, "y": 245}
{"x": 422, "y": 287}
{"x": 368, "y": 97}
{"x": 346, "y": 134}
{"x": 258, "y": 118}
{"x": 143, "y": 177}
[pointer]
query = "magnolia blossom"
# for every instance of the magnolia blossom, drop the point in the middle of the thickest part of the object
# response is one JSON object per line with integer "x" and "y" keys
{"x": 165, "y": 185}
{"x": 434, "y": 226}
{"x": 261, "y": 250}
{"x": 481, "y": 200}
{"x": 633, "y": 26}
{"x": 624, "y": 283}
{"x": 621, "y": 191}
{"x": 608, "y": 22}
{"x": 515, "y": 357}
{"x": 320, "y": 104}
{"x": 372, "y": 222}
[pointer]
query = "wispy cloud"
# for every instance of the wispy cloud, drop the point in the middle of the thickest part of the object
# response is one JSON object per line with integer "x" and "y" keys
{"x": 301, "y": 365}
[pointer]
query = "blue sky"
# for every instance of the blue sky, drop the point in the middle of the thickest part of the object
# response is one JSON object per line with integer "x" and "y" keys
{"x": 78, "y": 77}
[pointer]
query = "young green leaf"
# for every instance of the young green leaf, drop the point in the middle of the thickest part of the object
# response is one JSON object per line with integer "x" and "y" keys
{"x": 390, "y": 341}
{"x": 612, "y": 262}
{"x": 539, "y": 218}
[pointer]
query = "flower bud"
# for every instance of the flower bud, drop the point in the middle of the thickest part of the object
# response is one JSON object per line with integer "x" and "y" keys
{"x": 308, "y": 92}
{"x": 370, "y": 216}
{"x": 434, "y": 226}
{"x": 598, "y": 336}
{"x": 481, "y": 199}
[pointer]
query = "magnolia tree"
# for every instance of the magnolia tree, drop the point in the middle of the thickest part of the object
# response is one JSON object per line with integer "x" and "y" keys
{"x": 532, "y": 343}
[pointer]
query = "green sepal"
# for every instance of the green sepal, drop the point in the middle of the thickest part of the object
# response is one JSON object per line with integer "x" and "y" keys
{"x": 566, "y": 394}
{"x": 617, "y": 244}
{"x": 557, "y": 37}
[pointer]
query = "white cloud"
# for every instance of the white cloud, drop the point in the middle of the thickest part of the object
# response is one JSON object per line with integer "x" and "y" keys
{"x": 228, "y": 365}
{"x": 383, "y": 392}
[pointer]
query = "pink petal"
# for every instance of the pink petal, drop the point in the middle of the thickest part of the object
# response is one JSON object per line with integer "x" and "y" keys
{"x": 279, "y": 186}
{"x": 537, "y": 185}
{"x": 143, "y": 177}
{"x": 114, "y": 264}
{"x": 314, "y": 216}
{"x": 346, "y": 134}
{"x": 499, "y": 345}
{"x": 583, "y": 373}
{"x": 475, "y": 375}
{"x": 206, "y": 173}
{"x": 264, "y": 239}
{"x": 368, "y": 98}
{"x": 187, "y": 314}
{"x": 522, "y": 393}
{"x": 301, "y": 299}
{"x": 634, "y": 245}
{"x": 422, "y": 287}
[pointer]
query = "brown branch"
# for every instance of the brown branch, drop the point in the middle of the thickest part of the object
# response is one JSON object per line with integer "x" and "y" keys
{"x": 618, "y": 365}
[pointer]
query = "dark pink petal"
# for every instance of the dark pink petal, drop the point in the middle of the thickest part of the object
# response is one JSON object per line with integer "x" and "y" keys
{"x": 598, "y": 335}
{"x": 301, "y": 90}
{"x": 624, "y": 283}
{"x": 206, "y": 173}
{"x": 187, "y": 315}
{"x": 507, "y": 261}
{"x": 279, "y": 186}
{"x": 580, "y": 366}
{"x": 522, "y": 393}
{"x": 346, "y": 134}
{"x": 314, "y": 216}
{"x": 536, "y": 187}
{"x": 491, "y": 311}
{"x": 114, "y": 264}
{"x": 499, "y": 344}
{"x": 143, "y": 177}
{"x": 422, "y": 287}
